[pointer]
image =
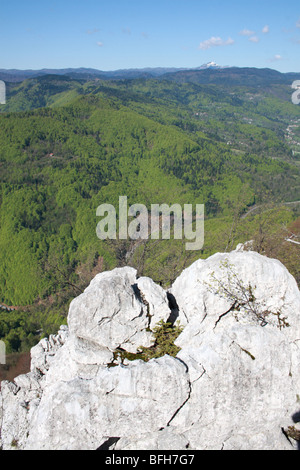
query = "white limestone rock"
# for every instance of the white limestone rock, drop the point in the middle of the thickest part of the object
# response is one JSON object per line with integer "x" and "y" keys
{"x": 235, "y": 384}
{"x": 244, "y": 373}
{"x": 165, "y": 439}
{"x": 120, "y": 401}
{"x": 110, "y": 314}
{"x": 43, "y": 353}
{"x": 156, "y": 298}
{"x": 273, "y": 287}
{"x": 22, "y": 397}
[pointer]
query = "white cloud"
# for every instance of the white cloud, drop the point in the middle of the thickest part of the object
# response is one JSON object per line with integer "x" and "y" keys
{"x": 100, "y": 44}
{"x": 265, "y": 29}
{"x": 298, "y": 23}
{"x": 276, "y": 58}
{"x": 247, "y": 32}
{"x": 214, "y": 42}
{"x": 254, "y": 39}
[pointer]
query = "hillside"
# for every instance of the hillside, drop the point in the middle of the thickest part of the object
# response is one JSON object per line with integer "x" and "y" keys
{"x": 232, "y": 76}
{"x": 68, "y": 145}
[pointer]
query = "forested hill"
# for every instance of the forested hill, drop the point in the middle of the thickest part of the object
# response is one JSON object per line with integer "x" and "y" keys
{"x": 232, "y": 76}
{"x": 68, "y": 145}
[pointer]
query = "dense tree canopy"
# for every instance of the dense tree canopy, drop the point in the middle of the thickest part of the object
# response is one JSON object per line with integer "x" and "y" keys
{"x": 67, "y": 146}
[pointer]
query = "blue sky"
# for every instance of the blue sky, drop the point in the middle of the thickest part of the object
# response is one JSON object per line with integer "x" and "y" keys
{"x": 117, "y": 34}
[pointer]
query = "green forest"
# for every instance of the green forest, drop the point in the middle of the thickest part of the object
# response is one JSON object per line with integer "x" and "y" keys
{"x": 69, "y": 145}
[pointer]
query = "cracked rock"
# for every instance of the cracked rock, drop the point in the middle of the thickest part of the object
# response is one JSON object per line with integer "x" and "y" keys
{"x": 109, "y": 314}
{"x": 235, "y": 383}
{"x": 244, "y": 376}
{"x": 121, "y": 401}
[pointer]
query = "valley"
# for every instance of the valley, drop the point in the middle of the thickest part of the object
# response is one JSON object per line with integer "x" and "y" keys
{"x": 226, "y": 138}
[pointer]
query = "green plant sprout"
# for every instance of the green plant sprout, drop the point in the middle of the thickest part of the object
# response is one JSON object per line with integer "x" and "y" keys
{"x": 165, "y": 334}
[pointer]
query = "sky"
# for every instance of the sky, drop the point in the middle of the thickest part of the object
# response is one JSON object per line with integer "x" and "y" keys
{"x": 122, "y": 34}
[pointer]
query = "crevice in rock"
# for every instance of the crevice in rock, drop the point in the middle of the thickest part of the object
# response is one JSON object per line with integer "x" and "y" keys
{"x": 108, "y": 319}
{"x": 245, "y": 351}
{"x": 108, "y": 443}
{"x": 137, "y": 292}
{"x": 139, "y": 315}
{"x": 182, "y": 405}
{"x": 205, "y": 313}
{"x": 226, "y": 313}
{"x": 140, "y": 296}
{"x": 287, "y": 436}
{"x": 201, "y": 375}
{"x": 183, "y": 363}
{"x": 187, "y": 370}
{"x": 173, "y": 306}
{"x": 188, "y": 397}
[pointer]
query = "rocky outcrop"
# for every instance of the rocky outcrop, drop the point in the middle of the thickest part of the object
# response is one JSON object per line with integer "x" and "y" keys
{"x": 235, "y": 383}
{"x": 241, "y": 344}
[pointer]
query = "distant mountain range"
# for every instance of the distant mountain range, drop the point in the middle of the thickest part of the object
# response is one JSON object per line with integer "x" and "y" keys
{"x": 16, "y": 75}
{"x": 204, "y": 74}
